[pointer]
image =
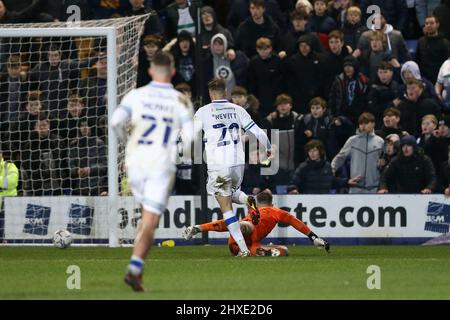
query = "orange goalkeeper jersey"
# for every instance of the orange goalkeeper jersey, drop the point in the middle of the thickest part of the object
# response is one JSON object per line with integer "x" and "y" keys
{"x": 270, "y": 216}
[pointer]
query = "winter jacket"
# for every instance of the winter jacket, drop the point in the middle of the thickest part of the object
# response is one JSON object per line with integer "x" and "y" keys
{"x": 409, "y": 174}
{"x": 413, "y": 112}
{"x": 339, "y": 98}
{"x": 431, "y": 53}
{"x": 171, "y": 16}
{"x": 206, "y": 35}
{"x": 265, "y": 81}
{"x": 316, "y": 177}
{"x": 289, "y": 42}
{"x": 443, "y": 14}
{"x": 335, "y": 65}
{"x": 380, "y": 98}
{"x": 249, "y": 32}
{"x": 321, "y": 24}
{"x": 88, "y": 152}
{"x": 364, "y": 151}
{"x": 152, "y": 25}
{"x": 44, "y": 165}
{"x": 443, "y": 177}
{"x": 304, "y": 78}
{"x": 352, "y": 33}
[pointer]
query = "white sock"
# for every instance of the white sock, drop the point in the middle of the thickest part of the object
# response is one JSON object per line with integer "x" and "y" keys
{"x": 239, "y": 197}
{"x": 136, "y": 265}
{"x": 235, "y": 230}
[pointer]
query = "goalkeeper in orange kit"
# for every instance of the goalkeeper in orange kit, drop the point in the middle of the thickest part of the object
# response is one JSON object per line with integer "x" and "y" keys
{"x": 254, "y": 233}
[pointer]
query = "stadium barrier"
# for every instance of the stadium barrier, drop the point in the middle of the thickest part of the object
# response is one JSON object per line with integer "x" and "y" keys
{"x": 344, "y": 219}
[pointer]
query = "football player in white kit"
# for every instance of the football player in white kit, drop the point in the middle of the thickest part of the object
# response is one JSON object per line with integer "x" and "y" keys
{"x": 157, "y": 112}
{"x": 222, "y": 122}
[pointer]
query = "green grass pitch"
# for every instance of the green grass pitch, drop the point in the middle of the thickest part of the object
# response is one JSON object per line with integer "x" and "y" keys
{"x": 209, "y": 272}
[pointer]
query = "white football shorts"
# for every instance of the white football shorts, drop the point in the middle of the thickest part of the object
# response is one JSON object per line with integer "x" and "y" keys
{"x": 226, "y": 181}
{"x": 151, "y": 189}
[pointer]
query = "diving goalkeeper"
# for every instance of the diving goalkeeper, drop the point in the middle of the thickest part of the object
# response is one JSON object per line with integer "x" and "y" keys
{"x": 253, "y": 234}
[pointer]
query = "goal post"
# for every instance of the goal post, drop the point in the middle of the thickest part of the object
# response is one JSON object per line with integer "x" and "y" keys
{"x": 120, "y": 39}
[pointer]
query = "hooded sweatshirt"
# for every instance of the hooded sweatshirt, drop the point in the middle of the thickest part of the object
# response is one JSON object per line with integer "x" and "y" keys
{"x": 395, "y": 43}
{"x": 221, "y": 65}
{"x": 206, "y": 35}
{"x": 414, "y": 69}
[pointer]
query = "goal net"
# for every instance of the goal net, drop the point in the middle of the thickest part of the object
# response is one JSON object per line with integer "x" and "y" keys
{"x": 59, "y": 84}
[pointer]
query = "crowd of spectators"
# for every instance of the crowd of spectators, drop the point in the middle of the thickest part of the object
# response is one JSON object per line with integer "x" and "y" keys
{"x": 360, "y": 100}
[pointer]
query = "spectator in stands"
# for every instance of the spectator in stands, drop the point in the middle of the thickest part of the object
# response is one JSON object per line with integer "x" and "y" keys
{"x": 304, "y": 74}
{"x": 425, "y": 8}
{"x": 106, "y": 9}
{"x": 211, "y": 27}
{"x": 390, "y": 151}
{"x": 9, "y": 176}
{"x": 348, "y": 95}
{"x": 428, "y": 141}
{"x": 382, "y": 92}
{"x": 265, "y": 75}
{"x": 364, "y": 150}
{"x": 44, "y": 162}
{"x": 396, "y": 44}
{"x": 13, "y": 89}
{"x": 336, "y": 53}
{"x": 58, "y": 9}
{"x": 410, "y": 172}
{"x": 256, "y": 26}
{"x": 296, "y": 29}
{"x": 370, "y": 59}
{"x": 239, "y": 12}
{"x": 320, "y": 22}
{"x": 353, "y": 27}
{"x": 416, "y": 105}
{"x": 442, "y": 13}
{"x": 432, "y": 49}
{"x": 179, "y": 17}
{"x": 183, "y": 52}
{"x": 250, "y": 103}
{"x": 391, "y": 120}
{"x": 395, "y": 11}
{"x": 151, "y": 44}
{"x": 314, "y": 176}
{"x": 338, "y": 9}
{"x": 442, "y": 87}
{"x": 317, "y": 125}
{"x": 94, "y": 88}
{"x": 443, "y": 140}
{"x": 56, "y": 76}
{"x": 68, "y": 120}
{"x": 152, "y": 25}
{"x": 88, "y": 163}
{"x": 304, "y": 5}
{"x": 410, "y": 71}
{"x": 284, "y": 120}
{"x": 218, "y": 65}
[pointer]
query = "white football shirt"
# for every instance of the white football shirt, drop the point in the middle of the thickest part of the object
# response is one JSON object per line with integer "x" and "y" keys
{"x": 222, "y": 122}
{"x": 157, "y": 113}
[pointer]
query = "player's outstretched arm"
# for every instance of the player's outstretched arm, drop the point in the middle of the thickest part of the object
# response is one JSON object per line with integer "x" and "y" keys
{"x": 261, "y": 136}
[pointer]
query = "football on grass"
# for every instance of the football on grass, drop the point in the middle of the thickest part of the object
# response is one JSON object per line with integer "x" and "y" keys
{"x": 62, "y": 239}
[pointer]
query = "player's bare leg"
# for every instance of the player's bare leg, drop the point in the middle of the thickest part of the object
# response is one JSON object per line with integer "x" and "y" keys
{"x": 232, "y": 223}
{"x": 142, "y": 245}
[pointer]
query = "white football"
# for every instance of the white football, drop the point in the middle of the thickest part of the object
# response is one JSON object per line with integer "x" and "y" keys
{"x": 62, "y": 239}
